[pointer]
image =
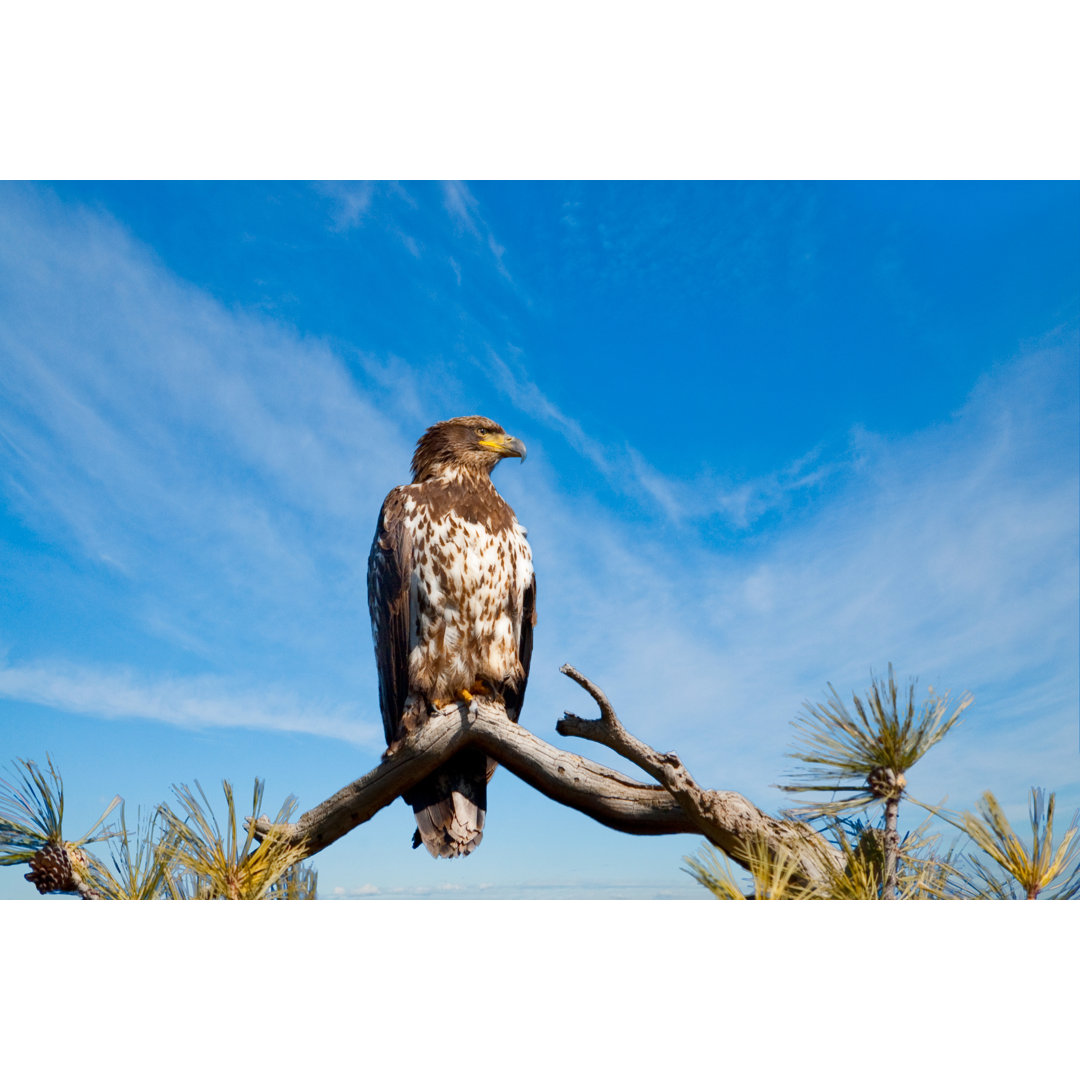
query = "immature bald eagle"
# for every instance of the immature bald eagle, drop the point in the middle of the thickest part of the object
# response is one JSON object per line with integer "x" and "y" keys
{"x": 452, "y": 598}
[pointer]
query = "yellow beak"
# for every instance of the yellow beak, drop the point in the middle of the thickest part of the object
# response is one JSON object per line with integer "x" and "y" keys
{"x": 504, "y": 446}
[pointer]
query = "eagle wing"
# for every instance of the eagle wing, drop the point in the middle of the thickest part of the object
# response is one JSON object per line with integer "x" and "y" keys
{"x": 389, "y": 570}
{"x": 515, "y": 697}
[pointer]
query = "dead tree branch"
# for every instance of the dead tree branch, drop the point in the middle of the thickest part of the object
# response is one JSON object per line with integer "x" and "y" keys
{"x": 677, "y": 805}
{"x": 726, "y": 818}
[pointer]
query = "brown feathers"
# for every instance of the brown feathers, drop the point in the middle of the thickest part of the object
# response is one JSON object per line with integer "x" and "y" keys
{"x": 452, "y": 595}
{"x": 458, "y": 446}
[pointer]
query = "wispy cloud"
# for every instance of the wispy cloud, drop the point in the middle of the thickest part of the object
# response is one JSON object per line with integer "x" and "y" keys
{"x": 350, "y": 202}
{"x": 462, "y": 206}
{"x": 678, "y": 499}
{"x": 197, "y": 702}
{"x": 464, "y": 209}
{"x": 220, "y": 471}
{"x": 527, "y": 396}
{"x": 739, "y": 505}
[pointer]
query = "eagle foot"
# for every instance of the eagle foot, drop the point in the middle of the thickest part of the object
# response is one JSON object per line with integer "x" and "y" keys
{"x": 479, "y": 688}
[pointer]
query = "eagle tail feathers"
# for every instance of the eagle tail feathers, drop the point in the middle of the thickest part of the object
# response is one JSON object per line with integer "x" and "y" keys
{"x": 451, "y": 827}
{"x": 450, "y": 806}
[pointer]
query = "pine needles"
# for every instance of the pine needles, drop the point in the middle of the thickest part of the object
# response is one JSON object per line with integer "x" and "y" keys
{"x": 777, "y": 875}
{"x": 31, "y": 831}
{"x": 774, "y": 875}
{"x": 213, "y": 863}
{"x": 31, "y": 812}
{"x": 868, "y": 754}
{"x": 171, "y": 854}
{"x": 141, "y": 866}
{"x": 1033, "y": 869}
{"x": 861, "y": 759}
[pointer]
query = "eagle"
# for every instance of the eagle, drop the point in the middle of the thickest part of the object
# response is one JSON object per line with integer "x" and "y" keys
{"x": 452, "y": 597}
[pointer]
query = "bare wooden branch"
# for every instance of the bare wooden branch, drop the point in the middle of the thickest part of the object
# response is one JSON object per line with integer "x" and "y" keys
{"x": 726, "y": 818}
{"x": 677, "y": 805}
{"x": 607, "y": 796}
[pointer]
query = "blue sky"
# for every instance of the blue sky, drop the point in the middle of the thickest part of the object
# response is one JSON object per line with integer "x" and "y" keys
{"x": 779, "y": 435}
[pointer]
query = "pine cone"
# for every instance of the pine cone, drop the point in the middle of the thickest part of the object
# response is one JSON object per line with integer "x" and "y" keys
{"x": 51, "y": 870}
{"x": 61, "y": 868}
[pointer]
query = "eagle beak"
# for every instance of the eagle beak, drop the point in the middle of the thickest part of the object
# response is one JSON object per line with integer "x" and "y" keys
{"x": 504, "y": 446}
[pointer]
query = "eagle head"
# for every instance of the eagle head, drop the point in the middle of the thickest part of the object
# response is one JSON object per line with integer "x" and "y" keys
{"x": 471, "y": 444}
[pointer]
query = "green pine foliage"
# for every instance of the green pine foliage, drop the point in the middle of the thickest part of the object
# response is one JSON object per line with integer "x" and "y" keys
{"x": 141, "y": 867}
{"x": 858, "y": 759}
{"x": 226, "y": 864}
{"x": 173, "y": 854}
{"x": 868, "y": 754}
{"x": 1004, "y": 867}
{"x": 32, "y": 813}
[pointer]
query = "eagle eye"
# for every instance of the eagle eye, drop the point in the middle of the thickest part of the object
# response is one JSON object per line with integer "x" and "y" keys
{"x": 482, "y": 431}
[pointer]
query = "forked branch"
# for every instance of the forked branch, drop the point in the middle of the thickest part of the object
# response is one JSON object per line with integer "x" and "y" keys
{"x": 676, "y": 804}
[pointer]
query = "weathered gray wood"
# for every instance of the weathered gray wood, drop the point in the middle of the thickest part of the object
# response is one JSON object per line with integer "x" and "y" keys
{"x": 726, "y": 818}
{"x": 678, "y": 805}
{"x": 604, "y": 794}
